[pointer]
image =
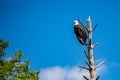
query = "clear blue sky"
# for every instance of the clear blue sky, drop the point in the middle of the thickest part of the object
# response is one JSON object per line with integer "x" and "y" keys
{"x": 43, "y": 30}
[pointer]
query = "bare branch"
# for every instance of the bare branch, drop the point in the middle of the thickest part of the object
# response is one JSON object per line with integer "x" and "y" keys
{"x": 97, "y": 77}
{"x": 86, "y": 54}
{"x": 83, "y": 24}
{"x": 102, "y": 62}
{"x": 87, "y": 64}
{"x": 83, "y": 67}
{"x": 95, "y": 45}
{"x": 94, "y": 27}
{"x": 85, "y": 77}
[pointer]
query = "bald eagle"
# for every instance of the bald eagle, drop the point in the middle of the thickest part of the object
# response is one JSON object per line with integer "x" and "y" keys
{"x": 80, "y": 32}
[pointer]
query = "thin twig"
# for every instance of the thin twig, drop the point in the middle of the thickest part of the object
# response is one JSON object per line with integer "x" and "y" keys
{"x": 99, "y": 64}
{"x": 83, "y": 24}
{"x": 83, "y": 67}
{"x": 85, "y": 77}
{"x": 86, "y": 54}
{"x": 94, "y": 27}
{"x": 95, "y": 45}
{"x": 87, "y": 64}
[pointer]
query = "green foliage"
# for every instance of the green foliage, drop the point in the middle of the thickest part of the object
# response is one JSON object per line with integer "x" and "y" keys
{"x": 14, "y": 69}
{"x": 3, "y": 46}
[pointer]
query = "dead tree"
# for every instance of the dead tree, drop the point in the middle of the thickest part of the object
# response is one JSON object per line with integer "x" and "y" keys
{"x": 89, "y": 54}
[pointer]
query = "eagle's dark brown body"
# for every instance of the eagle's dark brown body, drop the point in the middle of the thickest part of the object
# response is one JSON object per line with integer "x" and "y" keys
{"x": 80, "y": 34}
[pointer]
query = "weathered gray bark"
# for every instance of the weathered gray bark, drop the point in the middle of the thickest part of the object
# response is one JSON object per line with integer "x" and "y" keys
{"x": 90, "y": 51}
{"x": 90, "y": 63}
{"x": 90, "y": 56}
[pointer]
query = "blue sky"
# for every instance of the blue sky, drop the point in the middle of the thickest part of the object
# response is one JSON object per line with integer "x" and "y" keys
{"x": 43, "y": 30}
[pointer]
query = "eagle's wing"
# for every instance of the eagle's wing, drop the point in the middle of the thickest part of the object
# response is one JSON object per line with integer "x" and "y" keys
{"x": 80, "y": 33}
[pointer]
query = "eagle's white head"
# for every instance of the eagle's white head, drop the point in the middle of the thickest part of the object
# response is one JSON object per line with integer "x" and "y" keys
{"x": 76, "y": 22}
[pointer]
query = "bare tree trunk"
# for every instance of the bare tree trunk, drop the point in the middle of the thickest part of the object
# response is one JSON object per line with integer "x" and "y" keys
{"x": 90, "y": 51}
{"x": 91, "y": 68}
